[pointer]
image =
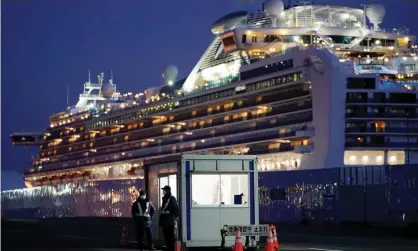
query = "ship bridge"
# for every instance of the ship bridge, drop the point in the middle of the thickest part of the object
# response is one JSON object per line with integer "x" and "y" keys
{"x": 26, "y": 139}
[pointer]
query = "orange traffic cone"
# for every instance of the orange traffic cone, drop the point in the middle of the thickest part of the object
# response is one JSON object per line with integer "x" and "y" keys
{"x": 177, "y": 243}
{"x": 124, "y": 237}
{"x": 275, "y": 241}
{"x": 269, "y": 244}
{"x": 238, "y": 241}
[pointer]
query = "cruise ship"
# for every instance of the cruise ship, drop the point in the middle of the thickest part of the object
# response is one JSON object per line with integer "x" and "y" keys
{"x": 302, "y": 87}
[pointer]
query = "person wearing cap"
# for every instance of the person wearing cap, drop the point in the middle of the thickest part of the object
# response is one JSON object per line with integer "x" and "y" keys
{"x": 143, "y": 212}
{"x": 170, "y": 211}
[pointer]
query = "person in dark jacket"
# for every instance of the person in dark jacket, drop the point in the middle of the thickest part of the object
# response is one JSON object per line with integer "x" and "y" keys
{"x": 170, "y": 211}
{"x": 143, "y": 212}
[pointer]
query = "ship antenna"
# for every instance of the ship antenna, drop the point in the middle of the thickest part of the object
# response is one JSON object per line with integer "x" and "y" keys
{"x": 89, "y": 77}
{"x": 111, "y": 75}
{"x": 364, "y": 13}
{"x": 68, "y": 91}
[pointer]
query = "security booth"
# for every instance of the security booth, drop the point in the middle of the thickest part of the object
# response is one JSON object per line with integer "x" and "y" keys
{"x": 212, "y": 191}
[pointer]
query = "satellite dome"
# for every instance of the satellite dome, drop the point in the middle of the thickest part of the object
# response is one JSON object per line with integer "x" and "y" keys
{"x": 170, "y": 74}
{"x": 228, "y": 21}
{"x": 375, "y": 13}
{"x": 107, "y": 90}
{"x": 274, "y": 7}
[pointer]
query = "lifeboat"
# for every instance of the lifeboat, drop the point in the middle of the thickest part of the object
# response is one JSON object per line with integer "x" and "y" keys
{"x": 132, "y": 171}
{"x": 76, "y": 177}
{"x": 86, "y": 175}
{"x": 54, "y": 180}
{"x": 135, "y": 171}
{"x": 65, "y": 178}
{"x": 45, "y": 181}
{"x": 36, "y": 183}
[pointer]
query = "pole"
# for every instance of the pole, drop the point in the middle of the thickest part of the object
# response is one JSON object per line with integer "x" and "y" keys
{"x": 364, "y": 14}
{"x": 407, "y": 137}
{"x": 68, "y": 91}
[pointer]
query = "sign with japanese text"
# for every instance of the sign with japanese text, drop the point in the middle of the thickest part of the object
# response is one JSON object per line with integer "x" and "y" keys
{"x": 247, "y": 230}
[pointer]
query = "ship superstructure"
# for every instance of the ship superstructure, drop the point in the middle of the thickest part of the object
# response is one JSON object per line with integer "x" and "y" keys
{"x": 310, "y": 86}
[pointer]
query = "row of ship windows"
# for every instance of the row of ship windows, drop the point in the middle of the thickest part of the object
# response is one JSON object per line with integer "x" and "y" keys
{"x": 196, "y": 114}
{"x": 293, "y": 77}
{"x": 267, "y": 131}
{"x": 382, "y": 126}
{"x": 274, "y": 95}
{"x": 380, "y": 97}
{"x": 287, "y": 64}
{"x": 213, "y": 96}
{"x": 274, "y": 108}
{"x": 308, "y": 39}
{"x": 381, "y": 141}
{"x": 188, "y": 131}
{"x": 381, "y": 112}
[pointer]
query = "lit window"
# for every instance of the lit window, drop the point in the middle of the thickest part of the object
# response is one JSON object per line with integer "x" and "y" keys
{"x": 206, "y": 190}
{"x": 225, "y": 189}
{"x": 232, "y": 187}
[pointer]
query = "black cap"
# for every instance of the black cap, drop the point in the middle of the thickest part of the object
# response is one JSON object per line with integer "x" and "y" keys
{"x": 166, "y": 188}
{"x": 141, "y": 192}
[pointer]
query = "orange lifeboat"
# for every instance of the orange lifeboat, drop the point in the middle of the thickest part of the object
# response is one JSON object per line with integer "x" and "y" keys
{"x": 132, "y": 171}
{"x": 55, "y": 180}
{"x": 36, "y": 183}
{"x": 86, "y": 175}
{"x": 76, "y": 177}
{"x": 65, "y": 178}
{"x": 45, "y": 181}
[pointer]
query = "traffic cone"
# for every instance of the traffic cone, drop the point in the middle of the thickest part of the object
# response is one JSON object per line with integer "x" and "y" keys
{"x": 177, "y": 242}
{"x": 238, "y": 241}
{"x": 269, "y": 243}
{"x": 124, "y": 237}
{"x": 177, "y": 245}
{"x": 275, "y": 241}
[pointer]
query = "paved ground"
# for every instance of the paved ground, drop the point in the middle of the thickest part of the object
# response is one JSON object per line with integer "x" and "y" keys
{"x": 37, "y": 236}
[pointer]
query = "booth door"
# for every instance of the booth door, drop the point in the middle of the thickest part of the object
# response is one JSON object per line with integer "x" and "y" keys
{"x": 158, "y": 176}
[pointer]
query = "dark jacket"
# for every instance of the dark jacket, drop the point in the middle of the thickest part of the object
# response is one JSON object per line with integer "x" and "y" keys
{"x": 169, "y": 212}
{"x": 135, "y": 211}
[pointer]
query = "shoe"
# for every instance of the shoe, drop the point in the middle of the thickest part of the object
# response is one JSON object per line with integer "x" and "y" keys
{"x": 152, "y": 247}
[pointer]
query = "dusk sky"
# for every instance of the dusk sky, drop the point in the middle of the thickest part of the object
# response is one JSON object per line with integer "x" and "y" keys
{"x": 49, "y": 44}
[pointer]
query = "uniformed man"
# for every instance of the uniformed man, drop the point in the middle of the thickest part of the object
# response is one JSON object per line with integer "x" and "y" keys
{"x": 170, "y": 211}
{"x": 143, "y": 212}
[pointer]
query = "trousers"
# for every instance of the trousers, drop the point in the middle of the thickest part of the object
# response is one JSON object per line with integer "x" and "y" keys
{"x": 142, "y": 229}
{"x": 169, "y": 237}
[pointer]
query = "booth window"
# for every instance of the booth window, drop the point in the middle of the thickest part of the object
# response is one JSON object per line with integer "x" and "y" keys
{"x": 234, "y": 189}
{"x": 220, "y": 189}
